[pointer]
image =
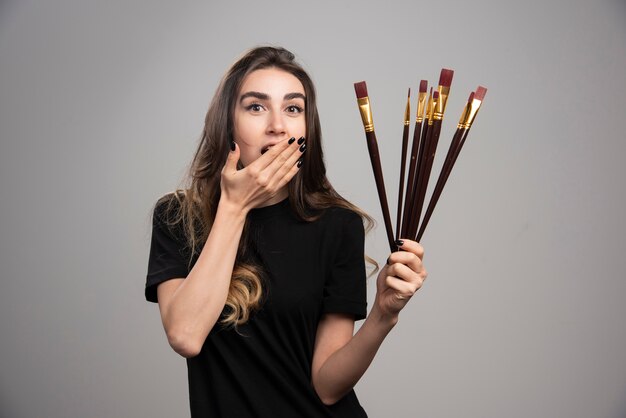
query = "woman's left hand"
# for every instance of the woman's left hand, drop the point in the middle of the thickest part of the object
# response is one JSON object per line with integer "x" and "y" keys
{"x": 402, "y": 276}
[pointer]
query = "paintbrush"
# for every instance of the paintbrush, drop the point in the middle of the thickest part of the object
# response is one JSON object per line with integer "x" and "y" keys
{"x": 408, "y": 195}
{"x": 410, "y": 222}
{"x": 465, "y": 123}
{"x": 405, "y": 143}
{"x": 440, "y": 98}
{"x": 372, "y": 146}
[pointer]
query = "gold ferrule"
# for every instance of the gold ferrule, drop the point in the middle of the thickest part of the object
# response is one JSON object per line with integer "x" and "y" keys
{"x": 471, "y": 114}
{"x": 432, "y": 110}
{"x": 421, "y": 104}
{"x": 366, "y": 113}
{"x": 407, "y": 112}
{"x": 440, "y": 107}
{"x": 429, "y": 109}
{"x": 464, "y": 116}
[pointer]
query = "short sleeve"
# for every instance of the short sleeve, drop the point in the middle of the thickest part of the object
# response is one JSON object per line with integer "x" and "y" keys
{"x": 345, "y": 287}
{"x": 166, "y": 260}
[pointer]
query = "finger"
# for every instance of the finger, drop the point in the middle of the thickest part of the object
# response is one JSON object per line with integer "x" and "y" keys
{"x": 290, "y": 174}
{"x": 290, "y": 168}
{"x": 268, "y": 158}
{"x": 408, "y": 259}
{"x": 403, "y": 288}
{"x": 232, "y": 158}
{"x": 273, "y": 174}
{"x": 406, "y": 274}
{"x": 412, "y": 246}
{"x": 287, "y": 157}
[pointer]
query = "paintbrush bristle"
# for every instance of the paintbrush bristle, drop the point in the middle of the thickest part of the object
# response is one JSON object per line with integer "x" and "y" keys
{"x": 409, "y": 93}
{"x": 445, "y": 78}
{"x": 480, "y": 93}
{"x": 471, "y": 97}
{"x": 423, "y": 86}
{"x": 361, "y": 89}
{"x": 435, "y": 94}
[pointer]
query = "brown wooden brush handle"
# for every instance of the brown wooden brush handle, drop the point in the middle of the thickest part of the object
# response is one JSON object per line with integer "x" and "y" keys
{"x": 423, "y": 144}
{"x": 405, "y": 143}
{"x": 372, "y": 147}
{"x": 408, "y": 195}
{"x": 433, "y": 133}
{"x": 453, "y": 150}
{"x": 423, "y": 151}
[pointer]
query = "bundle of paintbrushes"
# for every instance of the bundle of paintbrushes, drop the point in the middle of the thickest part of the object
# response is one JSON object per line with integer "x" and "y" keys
{"x": 431, "y": 107}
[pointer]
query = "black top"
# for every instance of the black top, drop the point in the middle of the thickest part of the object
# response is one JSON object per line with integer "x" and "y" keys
{"x": 263, "y": 369}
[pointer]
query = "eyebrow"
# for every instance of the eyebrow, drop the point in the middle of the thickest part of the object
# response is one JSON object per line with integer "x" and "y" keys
{"x": 263, "y": 96}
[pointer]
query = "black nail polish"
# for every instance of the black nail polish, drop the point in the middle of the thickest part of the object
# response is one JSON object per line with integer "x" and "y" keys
{"x": 232, "y": 145}
{"x": 264, "y": 150}
{"x": 399, "y": 243}
{"x": 291, "y": 140}
{"x": 303, "y": 148}
{"x": 301, "y": 140}
{"x": 299, "y": 164}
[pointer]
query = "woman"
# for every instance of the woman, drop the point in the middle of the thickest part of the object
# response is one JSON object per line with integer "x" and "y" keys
{"x": 258, "y": 266}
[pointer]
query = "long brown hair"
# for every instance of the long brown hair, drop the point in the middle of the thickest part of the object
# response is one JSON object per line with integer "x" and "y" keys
{"x": 310, "y": 192}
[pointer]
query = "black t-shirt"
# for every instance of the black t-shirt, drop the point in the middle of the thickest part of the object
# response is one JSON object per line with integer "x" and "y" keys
{"x": 263, "y": 369}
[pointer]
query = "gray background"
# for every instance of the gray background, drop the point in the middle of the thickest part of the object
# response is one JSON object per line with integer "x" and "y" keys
{"x": 101, "y": 105}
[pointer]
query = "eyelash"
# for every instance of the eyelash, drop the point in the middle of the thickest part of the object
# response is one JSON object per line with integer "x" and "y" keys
{"x": 298, "y": 109}
{"x": 259, "y": 107}
{"x": 251, "y": 106}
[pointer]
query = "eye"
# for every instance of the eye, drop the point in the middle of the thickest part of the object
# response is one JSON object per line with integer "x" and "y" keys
{"x": 294, "y": 109}
{"x": 254, "y": 107}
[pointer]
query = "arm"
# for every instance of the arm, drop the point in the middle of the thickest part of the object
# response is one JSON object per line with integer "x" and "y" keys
{"x": 190, "y": 307}
{"x": 340, "y": 359}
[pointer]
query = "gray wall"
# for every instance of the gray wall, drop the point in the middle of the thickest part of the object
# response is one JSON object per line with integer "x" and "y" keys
{"x": 101, "y": 105}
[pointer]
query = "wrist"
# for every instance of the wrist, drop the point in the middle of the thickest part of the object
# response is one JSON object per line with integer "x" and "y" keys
{"x": 382, "y": 318}
{"x": 231, "y": 210}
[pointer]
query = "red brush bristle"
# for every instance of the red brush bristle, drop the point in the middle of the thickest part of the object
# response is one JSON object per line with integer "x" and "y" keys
{"x": 409, "y": 93}
{"x": 471, "y": 97}
{"x": 423, "y": 86}
{"x": 361, "y": 89}
{"x": 480, "y": 93}
{"x": 445, "y": 78}
{"x": 435, "y": 94}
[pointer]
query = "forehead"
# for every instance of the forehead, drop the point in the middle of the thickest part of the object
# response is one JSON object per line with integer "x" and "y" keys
{"x": 271, "y": 80}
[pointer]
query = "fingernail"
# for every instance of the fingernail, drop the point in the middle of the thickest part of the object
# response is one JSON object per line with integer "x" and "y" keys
{"x": 232, "y": 145}
{"x": 291, "y": 140}
{"x": 301, "y": 140}
{"x": 299, "y": 164}
{"x": 303, "y": 148}
{"x": 264, "y": 150}
{"x": 399, "y": 243}
{"x": 388, "y": 261}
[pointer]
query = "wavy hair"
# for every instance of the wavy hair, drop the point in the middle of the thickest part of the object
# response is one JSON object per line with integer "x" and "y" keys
{"x": 310, "y": 192}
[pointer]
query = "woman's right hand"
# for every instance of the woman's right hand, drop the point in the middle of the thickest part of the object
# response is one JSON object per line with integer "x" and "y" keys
{"x": 264, "y": 178}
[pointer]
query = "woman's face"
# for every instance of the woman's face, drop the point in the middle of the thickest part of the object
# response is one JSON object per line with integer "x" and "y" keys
{"x": 269, "y": 109}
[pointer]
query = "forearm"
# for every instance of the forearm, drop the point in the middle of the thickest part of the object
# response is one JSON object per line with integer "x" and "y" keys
{"x": 343, "y": 369}
{"x": 197, "y": 303}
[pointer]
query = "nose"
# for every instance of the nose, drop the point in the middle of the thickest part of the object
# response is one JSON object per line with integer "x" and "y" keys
{"x": 275, "y": 124}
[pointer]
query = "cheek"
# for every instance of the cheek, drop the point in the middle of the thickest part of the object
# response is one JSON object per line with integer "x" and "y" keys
{"x": 297, "y": 127}
{"x": 248, "y": 145}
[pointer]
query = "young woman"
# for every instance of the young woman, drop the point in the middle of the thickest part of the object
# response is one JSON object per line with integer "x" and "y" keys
{"x": 258, "y": 266}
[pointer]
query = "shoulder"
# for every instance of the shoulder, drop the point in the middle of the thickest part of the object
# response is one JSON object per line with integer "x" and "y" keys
{"x": 341, "y": 215}
{"x": 168, "y": 206}
{"x": 343, "y": 223}
{"x": 167, "y": 215}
